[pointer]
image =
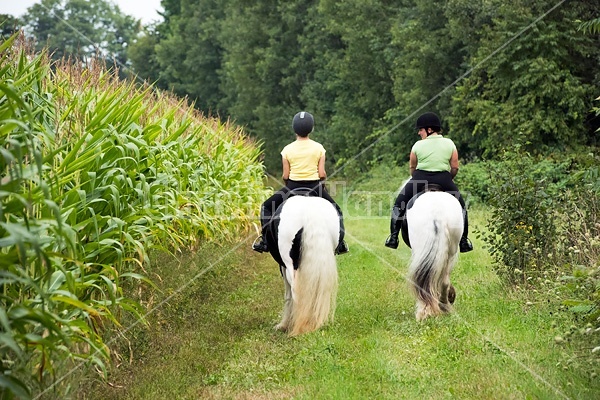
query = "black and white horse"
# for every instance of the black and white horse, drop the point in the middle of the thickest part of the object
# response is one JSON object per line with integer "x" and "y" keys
{"x": 302, "y": 239}
{"x": 434, "y": 226}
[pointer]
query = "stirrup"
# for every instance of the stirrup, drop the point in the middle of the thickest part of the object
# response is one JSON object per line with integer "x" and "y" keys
{"x": 465, "y": 245}
{"x": 342, "y": 248}
{"x": 392, "y": 242}
{"x": 261, "y": 246}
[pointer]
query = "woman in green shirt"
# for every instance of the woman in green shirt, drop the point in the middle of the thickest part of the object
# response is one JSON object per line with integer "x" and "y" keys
{"x": 433, "y": 160}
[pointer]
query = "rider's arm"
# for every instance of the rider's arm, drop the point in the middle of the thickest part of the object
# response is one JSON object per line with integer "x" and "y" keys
{"x": 286, "y": 168}
{"x": 413, "y": 163}
{"x": 454, "y": 163}
{"x": 322, "y": 173}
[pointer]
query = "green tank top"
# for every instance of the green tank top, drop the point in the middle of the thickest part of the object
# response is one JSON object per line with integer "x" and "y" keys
{"x": 433, "y": 153}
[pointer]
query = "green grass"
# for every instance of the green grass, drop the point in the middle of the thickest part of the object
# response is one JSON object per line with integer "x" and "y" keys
{"x": 215, "y": 338}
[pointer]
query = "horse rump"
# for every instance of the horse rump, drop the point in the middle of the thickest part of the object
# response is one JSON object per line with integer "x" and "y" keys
{"x": 435, "y": 225}
{"x": 307, "y": 236}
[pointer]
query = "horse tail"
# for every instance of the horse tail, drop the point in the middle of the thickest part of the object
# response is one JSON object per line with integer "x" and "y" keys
{"x": 316, "y": 277}
{"x": 428, "y": 265}
{"x": 435, "y": 225}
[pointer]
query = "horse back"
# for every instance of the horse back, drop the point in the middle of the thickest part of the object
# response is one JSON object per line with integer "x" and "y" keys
{"x": 291, "y": 217}
{"x": 431, "y": 202}
{"x": 432, "y": 187}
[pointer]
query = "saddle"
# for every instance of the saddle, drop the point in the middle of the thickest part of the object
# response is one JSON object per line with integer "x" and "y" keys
{"x": 432, "y": 187}
{"x": 271, "y": 231}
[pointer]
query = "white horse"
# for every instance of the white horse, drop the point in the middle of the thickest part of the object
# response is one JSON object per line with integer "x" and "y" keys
{"x": 435, "y": 226}
{"x": 304, "y": 244}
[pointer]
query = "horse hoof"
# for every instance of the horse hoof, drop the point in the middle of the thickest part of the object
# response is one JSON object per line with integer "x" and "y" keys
{"x": 422, "y": 313}
{"x": 451, "y": 294}
{"x": 421, "y": 317}
{"x": 280, "y": 327}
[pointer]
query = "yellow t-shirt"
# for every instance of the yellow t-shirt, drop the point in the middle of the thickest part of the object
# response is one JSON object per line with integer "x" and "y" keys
{"x": 303, "y": 156}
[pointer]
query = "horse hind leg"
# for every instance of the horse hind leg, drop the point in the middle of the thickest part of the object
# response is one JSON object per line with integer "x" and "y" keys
{"x": 283, "y": 325}
{"x": 287, "y": 305}
{"x": 451, "y": 294}
{"x": 423, "y": 310}
{"x": 427, "y": 299}
{"x": 447, "y": 296}
{"x": 433, "y": 303}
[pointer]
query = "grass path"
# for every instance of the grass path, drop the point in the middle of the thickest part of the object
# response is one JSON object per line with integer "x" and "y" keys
{"x": 215, "y": 340}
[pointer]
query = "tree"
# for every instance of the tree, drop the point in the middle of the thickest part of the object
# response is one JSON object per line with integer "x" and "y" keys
{"x": 425, "y": 61}
{"x": 351, "y": 83}
{"x": 261, "y": 79}
{"x": 366, "y": 68}
{"x": 189, "y": 55}
{"x": 532, "y": 92}
{"x": 8, "y": 25}
{"x": 81, "y": 29}
{"x": 143, "y": 58}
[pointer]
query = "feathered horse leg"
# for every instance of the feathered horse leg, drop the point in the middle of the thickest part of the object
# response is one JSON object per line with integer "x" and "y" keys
{"x": 287, "y": 303}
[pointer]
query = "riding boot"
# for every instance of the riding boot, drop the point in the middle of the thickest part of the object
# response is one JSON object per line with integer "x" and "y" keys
{"x": 465, "y": 244}
{"x": 342, "y": 247}
{"x": 395, "y": 226}
{"x": 260, "y": 245}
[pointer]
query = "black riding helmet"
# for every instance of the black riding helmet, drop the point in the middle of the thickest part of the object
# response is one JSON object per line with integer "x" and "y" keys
{"x": 303, "y": 123}
{"x": 429, "y": 120}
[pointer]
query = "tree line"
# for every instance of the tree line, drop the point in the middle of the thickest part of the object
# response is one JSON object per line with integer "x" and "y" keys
{"x": 499, "y": 74}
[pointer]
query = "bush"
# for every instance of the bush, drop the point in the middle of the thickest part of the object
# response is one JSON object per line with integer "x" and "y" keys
{"x": 474, "y": 182}
{"x": 545, "y": 227}
{"x": 542, "y": 209}
{"x": 521, "y": 231}
{"x": 579, "y": 247}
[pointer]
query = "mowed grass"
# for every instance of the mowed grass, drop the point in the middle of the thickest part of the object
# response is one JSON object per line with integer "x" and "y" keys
{"x": 214, "y": 338}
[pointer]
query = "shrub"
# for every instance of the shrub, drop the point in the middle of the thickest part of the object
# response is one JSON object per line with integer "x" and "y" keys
{"x": 474, "y": 182}
{"x": 579, "y": 248}
{"x": 521, "y": 231}
{"x": 545, "y": 227}
{"x": 532, "y": 215}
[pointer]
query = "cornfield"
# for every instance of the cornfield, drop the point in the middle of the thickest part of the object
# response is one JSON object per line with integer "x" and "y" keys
{"x": 94, "y": 173}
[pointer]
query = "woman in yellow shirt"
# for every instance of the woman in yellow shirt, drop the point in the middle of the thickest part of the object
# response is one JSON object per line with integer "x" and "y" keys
{"x": 303, "y": 164}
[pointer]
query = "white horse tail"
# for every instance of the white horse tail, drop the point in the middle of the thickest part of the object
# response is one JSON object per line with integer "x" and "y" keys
{"x": 435, "y": 227}
{"x": 310, "y": 273}
{"x": 427, "y": 266}
{"x": 316, "y": 280}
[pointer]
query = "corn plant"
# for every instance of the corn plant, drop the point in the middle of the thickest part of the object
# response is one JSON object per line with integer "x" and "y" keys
{"x": 94, "y": 172}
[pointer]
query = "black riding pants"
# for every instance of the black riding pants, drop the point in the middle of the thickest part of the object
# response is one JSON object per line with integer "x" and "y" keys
{"x": 291, "y": 188}
{"x": 418, "y": 183}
